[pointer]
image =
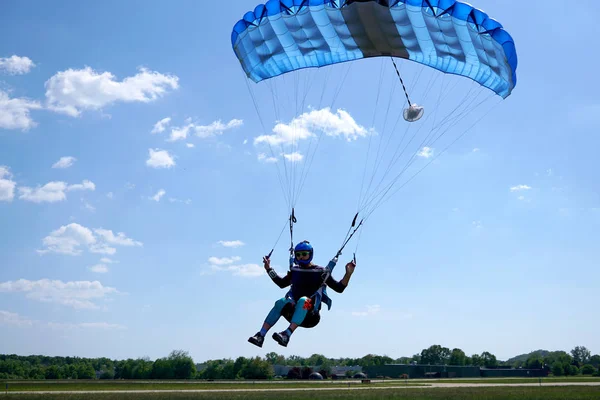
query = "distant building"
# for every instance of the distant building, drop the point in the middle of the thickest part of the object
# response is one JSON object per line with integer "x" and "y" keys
{"x": 447, "y": 371}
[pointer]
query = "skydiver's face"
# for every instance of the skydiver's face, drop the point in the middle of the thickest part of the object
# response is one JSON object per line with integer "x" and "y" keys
{"x": 302, "y": 255}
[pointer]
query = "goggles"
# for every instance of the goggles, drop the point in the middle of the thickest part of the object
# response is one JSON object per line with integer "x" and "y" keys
{"x": 302, "y": 253}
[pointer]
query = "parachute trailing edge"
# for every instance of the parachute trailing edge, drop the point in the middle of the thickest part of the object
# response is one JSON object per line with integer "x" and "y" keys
{"x": 453, "y": 37}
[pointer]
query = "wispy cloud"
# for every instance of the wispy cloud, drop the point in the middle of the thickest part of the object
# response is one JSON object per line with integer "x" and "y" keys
{"x": 52, "y": 192}
{"x": 70, "y": 239}
{"x": 231, "y": 243}
{"x": 78, "y": 294}
{"x": 520, "y": 188}
{"x": 7, "y": 185}
{"x": 369, "y": 310}
{"x": 14, "y": 112}
{"x": 216, "y": 128}
{"x": 158, "y": 195}
{"x": 224, "y": 260}
{"x": 160, "y": 159}
{"x": 307, "y": 126}
{"x": 86, "y": 325}
{"x": 13, "y": 319}
{"x": 16, "y": 65}
{"x": 230, "y": 264}
{"x": 75, "y": 90}
{"x": 8, "y": 318}
{"x": 161, "y": 125}
{"x": 378, "y": 312}
{"x": 426, "y": 152}
{"x": 99, "y": 268}
{"x": 263, "y": 157}
{"x": 64, "y": 162}
{"x": 294, "y": 157}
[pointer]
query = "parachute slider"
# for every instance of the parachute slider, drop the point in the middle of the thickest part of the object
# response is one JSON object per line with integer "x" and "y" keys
{"x": 413, "y": 113}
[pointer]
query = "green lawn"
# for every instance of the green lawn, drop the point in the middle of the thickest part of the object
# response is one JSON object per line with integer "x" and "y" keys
{"x": 493, "y": 393}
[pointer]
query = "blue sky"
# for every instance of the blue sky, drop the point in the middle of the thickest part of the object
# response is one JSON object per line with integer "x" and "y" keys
{"x": 123, "y": 237}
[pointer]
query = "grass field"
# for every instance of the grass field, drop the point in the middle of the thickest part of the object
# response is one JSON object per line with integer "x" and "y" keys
{"x": 82, "y": 385}
{"x": 416, "y": 390}
{"x": 484, "y": 393}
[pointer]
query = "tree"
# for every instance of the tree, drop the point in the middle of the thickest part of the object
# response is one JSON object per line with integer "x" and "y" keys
{"x": 581, "y": 355}
{"x": 257, "y": 368}
{"x": 457, "y": 357}
{"x": 534, "y": 362}
{"x": 489, "y": 360}
{"x": 274, "y": 358}
{"x": 588, "y": 369}
{"x": 182, "y": 365}
{"x": 595, "y": 360}
{"x": 557, "y": 368}
{"x": 435, "y": 355}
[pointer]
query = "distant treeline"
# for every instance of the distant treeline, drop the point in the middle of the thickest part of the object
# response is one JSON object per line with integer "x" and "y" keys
{"x": 179, "y": 365}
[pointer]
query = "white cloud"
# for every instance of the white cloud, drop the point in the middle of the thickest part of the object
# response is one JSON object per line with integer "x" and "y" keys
{"x": 86, "y": 325}
{"x": 370, "y": 310}
{"x": 106, "y": 260}
{"x": 52, "y": 192}
{"x": 520, "y": 188}
{"x": 14, "y": 113}
{"x": 71, "y": 238}
{"x": 78, "y": 294}
{"x": 99, "y": 268}
{"x": 294, "y": 157}
{"x": 8, "y": 318}
{"x": 64, "y": 162}
{"x": 160, "y": 159}
{"x": 231, "y": 243}
{"x": 243, "y": 270}
{"x": 158, "y": 195}
{"x": 477, "y": 224}
{"x": 426, "y": 152}
{"x": 73, "y": 91}
{"x": 224, "y": 260}
{"x": 190, "y": 145}
{"x": 263, "y": 157}
{"x": 228, "y": 264}
{"x": 174, "y": 200}
{"x": 203, "y": 131}
{"x": 110, "y": 195}
{"x": 119, "y": 240}
{"x": 7, "y": 185}
{"x": 16, "y": 65}
{"x": 216, "y": 128}
{"x": 308, "y": 124}
{"x": 88, "y": 206}
{"x": 161, "y": 125}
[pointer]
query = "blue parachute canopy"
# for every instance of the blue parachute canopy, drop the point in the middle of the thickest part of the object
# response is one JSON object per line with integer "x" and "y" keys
{"x": 453, "y": 37}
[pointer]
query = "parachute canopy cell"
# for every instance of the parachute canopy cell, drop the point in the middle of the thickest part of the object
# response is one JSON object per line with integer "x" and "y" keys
{"x": 453, "y": 37}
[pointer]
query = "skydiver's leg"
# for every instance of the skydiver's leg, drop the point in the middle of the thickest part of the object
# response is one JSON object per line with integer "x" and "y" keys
{"x": 301, "y": 310}
{"x": 271, "y": 320}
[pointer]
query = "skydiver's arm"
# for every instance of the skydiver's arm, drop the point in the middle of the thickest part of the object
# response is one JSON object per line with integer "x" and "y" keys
{"x": 279, "y": 281}
{"x": 340, "y": 286}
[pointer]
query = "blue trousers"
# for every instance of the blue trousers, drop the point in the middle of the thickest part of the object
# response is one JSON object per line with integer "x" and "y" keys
{"x": 299, "y": 311}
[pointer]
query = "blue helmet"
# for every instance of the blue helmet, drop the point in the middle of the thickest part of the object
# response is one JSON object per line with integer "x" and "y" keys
{"x": 303, "y": 246}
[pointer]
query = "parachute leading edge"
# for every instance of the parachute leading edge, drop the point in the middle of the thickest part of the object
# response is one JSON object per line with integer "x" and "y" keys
{"x": 453, "y": 37}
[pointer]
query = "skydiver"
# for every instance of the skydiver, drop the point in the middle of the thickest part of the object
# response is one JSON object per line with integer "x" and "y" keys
{"x": 302, "y": 303}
